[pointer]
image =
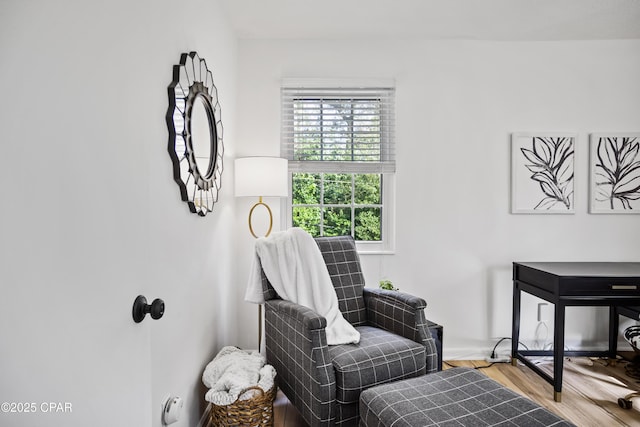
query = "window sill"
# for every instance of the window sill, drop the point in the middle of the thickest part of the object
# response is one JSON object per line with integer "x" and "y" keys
{"x": 376, "y": 252}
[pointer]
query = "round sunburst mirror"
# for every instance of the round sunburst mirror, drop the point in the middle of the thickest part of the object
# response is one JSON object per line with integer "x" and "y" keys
{"x": 195, "y": 133}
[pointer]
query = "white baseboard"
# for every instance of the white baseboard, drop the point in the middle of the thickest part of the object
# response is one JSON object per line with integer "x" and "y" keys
{"x": 464, "y": 353}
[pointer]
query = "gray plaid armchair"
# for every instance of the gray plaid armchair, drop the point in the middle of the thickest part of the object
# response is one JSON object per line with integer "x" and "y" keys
{"x": 324, "y": 382}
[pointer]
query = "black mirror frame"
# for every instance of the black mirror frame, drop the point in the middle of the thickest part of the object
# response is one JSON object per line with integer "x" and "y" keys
{"x": 192, "y": 80}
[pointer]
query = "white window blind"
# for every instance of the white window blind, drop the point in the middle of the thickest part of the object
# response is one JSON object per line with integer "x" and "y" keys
{"x": 338, "y": 130}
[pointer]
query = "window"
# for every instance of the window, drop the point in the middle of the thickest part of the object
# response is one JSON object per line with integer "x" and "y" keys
{"x": 339, "y": 143}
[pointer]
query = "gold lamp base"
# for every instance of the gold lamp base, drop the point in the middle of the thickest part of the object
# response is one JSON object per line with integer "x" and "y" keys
{"x": 260, "y": 203}
{"x": 259, "y": 327}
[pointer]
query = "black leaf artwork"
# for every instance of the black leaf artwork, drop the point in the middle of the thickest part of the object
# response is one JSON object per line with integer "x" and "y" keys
{"x": 551, "y": 161}
{"x": 617, "y": 171}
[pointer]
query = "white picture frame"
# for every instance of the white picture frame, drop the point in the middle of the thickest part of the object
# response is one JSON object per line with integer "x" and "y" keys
{"x": 614, "y": 173}
{"x": 542, "y": 172}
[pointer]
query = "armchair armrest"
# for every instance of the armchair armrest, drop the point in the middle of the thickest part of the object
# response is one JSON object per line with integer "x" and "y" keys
{"x": 402, "y": 314}
{"x": 396, "y": 297}
{"x": 296, "y": 346}
{"x": 307, "y": 318}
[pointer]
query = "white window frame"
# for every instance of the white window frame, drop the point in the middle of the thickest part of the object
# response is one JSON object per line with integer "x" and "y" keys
{"x": 387, "y": 170}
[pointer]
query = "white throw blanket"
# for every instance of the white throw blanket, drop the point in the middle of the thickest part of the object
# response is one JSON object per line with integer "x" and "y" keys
{"x": 292, "y": 262}
{"x": 234, "y": 370}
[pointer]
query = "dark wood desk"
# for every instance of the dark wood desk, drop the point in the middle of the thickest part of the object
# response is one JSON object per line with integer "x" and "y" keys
{"x": 564, "y": 284}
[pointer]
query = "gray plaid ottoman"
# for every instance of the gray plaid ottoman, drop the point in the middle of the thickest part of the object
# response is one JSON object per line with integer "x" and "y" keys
{"x": 455, "y": 397}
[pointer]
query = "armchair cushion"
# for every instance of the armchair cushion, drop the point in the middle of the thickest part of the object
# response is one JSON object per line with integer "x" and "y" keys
{"x": 380, "y": 357}
{"x": 343, "y": 263}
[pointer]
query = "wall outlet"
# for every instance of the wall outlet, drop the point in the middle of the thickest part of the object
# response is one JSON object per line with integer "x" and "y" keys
{"x": 544, "y": 312}
{"x": 164, "y": 401}
{"x": 172, "y": 410}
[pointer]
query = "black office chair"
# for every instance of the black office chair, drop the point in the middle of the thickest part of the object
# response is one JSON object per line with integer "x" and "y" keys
{"x": 632, "y": 336}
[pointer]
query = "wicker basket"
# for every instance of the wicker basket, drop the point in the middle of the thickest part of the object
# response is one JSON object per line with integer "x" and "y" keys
{"x": 257, "y": 411}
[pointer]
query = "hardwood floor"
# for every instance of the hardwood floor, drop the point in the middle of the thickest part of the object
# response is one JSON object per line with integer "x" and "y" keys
{"x": 590, "y": 392}
{"x": 284, "y": 414}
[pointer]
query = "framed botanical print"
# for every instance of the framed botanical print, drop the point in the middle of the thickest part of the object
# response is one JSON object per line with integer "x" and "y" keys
{"x": 542, "y": 169}
{"x": 614, "y": 173}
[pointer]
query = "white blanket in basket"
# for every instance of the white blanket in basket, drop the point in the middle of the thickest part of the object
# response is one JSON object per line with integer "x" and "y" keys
{"x": 234, "y": 370}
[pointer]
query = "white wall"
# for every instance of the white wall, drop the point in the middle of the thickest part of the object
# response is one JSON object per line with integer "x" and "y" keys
{"x": 91, "y": 216}
{"x": 457, "y": 103}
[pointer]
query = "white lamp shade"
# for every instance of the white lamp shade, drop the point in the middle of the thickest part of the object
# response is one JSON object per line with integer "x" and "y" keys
{"x": 261, "y": 177}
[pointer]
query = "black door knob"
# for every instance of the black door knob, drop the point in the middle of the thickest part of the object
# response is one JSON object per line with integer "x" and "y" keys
{"x": 141, "y": 308}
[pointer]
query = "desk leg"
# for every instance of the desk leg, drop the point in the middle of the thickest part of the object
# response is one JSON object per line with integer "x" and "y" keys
{"x": 515, "y": 326}
{"x": 614, "y": 324}
{"x": 558, "y": 351}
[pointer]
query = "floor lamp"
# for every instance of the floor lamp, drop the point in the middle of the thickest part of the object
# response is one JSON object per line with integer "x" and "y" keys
{"x": 261, "y": 177}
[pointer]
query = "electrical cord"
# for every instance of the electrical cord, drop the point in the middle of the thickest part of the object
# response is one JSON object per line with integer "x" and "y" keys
{"x": 537, "y": 334}
{"x": 475, "y": 367}
{"x": 493, "y": 352}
